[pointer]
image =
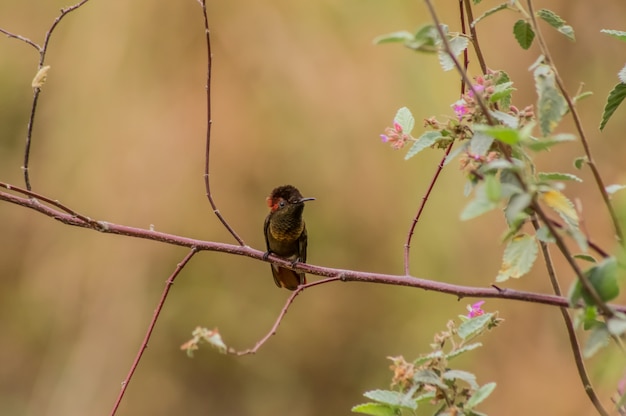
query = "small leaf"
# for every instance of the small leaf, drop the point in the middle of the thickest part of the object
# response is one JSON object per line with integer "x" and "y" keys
{"x": 391, "y": 398}
{"x": 616, "y": 325}
{"x": 463, "y": 349}
{"x": 563, "y": 206}
{"x": 457, "y": 44}
{"x": 568, "y": 31}
{"x": 402, "y": 36}
{"x": 580, "y": 161}
{"x": 524, "y": 33}
{"x": 428, "y": 377}
{"x": 479, "y": 205}
{"x": 582, "y": 95}
{"x": 501, "y": 91}
{"x": 455, "y": 152}
{"x": 424, "y": 141}
{"x": 40, "y": 77}
{"x": 585, "y": 257}
{"x": 519, "y": 256}
{"x": 518, "y": 203}
{"x": 474, "y": 326}
{"x": 551, "y": 105}
{"x": 618, "y": 34}
{"x": 556, "y": 22}
{"x": 615, "y": 98}
{"x": 599, "y": 338}
{"x": 480, "y": 395}
{"x": 557, "y": 176}
{"x": 469, "y": 378}
{"x": 543, "y": 234}
{"x": 493, "y": 188}
{"x": 611, "y": 189}
{"x": 504, "y": 118}
{"x": 405, "y": 119}
{"x": 375, "y": 409}
{"x": 489, "y": 12}
{"x": 546, "y": 143}
{"x": 504, "y": 134}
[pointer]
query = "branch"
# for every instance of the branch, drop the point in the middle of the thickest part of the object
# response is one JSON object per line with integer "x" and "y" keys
{"x": 207, "y": 183}
{"x": 343, "y": 275}
{"x": 168, "y": 284}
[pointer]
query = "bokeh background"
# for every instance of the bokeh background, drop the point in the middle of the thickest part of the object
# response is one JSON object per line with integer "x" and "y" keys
{"x": 300, "y": 95}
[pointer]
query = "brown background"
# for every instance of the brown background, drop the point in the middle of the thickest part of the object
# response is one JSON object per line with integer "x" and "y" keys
{"x": 300, "y": 96}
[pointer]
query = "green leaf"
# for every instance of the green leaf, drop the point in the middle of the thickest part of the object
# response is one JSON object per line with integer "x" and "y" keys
{"x": 618, "y": 34}
{"x": 585, "y": 257}
{"x": 501, "y": 91}
{"x": 469, "y": 378}
{"x": 611, "y": 189}
{"x": 391, "y": 398}
{"x": 480, "y": 395}
{"x": 557, "y": 176}
{"x": 462, "y": 350}
{"x": 556, "y": 22}
{"x": 490, "y": 12}
{"x": 582, "y": 95}
{"x": 375, "y": 409}
{"x": 598, "y": 338}
{"x": 480, "y": 143}
{"x": 551, "y": 105}
{"x": 457, "y": 44}
{"x": 493, "y": 188}
{"x": 504, "y": 134}
{"x": 455, "y": 152}
{"x": 479, "y": 205}
{"x": 519, "y": 256}
{"x": 516, "y": 207}
{"x": 524, "y": 33}
{"x": 402, "y": 36}
{"x": 603, "y": 277}
{"x": 474, "y": 326}
{"x": 428, "y": 377}
{"x": 424, "y": 141}
{"x": 563, "y": 206}
{"x": 580, "y": 161}
{"x": 546, "y": 143}
{"x": 615, "y": 98}
{"x": 405, "y": 119}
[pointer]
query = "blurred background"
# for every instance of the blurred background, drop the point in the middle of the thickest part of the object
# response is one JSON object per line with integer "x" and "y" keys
{"x": 300, "y": 96}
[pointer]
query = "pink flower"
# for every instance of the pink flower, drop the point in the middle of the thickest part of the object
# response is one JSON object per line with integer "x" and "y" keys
{"x": 475, "y": 309}
{"x": 460, "y": 108}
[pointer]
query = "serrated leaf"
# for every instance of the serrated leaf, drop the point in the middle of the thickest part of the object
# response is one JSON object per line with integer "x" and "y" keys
{"x": 551, "y": 106}
{"x": 568, "y": 31}
{"x": 375, "y": 409}
{"x": 424, "y": 141}
{"x": 480, "y": 143}
{"x": 501, "y": 91}
{"x": 563, "y": 206}
{"x": 556, "y": 22}
{"x": 401, "y": 36}
{"x": 519, "y": 256}
{"x": 598, "y": 338}
{"x": 479, "y": 205}
{"x": 524, "y": 33}
{"x": 516, "y": 207}
{"x": 546, "y": 143}
{"x": 557, "y": 176}
{"x": 611, "y": 189}
{"x": 428, "y": 377}
{"x": 480, "y": 395}
{"x": 391, "y": 398}
{"x": 615, "y": 98}
{"x": 580, "y": 161}
{"x": 618, "y": 34}
{"x": 474, "y": 326}
{"x": 457, "y": 44}
{"x": 405, "y": 119}
{"x": 465, "y": 376}
{"x": 489, "y": 13}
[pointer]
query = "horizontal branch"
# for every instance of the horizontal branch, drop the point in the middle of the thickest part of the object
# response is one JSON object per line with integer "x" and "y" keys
{"x": 345, "y": 275}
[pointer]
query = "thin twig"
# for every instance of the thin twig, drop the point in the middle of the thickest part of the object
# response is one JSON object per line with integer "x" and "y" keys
{"x": 346, "y": 275}
{"x": 577, "y": 122}
{"x": 282, "y": 314}
{"x": 207, "y": 183}
{"x": 569, "y": 325}
{"x": 155, "y": 317}
{"x": 479, "y": 53}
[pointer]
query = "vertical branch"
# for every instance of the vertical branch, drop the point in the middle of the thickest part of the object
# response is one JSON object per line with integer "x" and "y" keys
{"x": 470, "y": 20}
{"x": 569, "y": 325}
{"x": 207, "y": 184}
{"x": 578, "y": 123}
{"x": 168, "y": 284}
{"x": 37, "y": 89}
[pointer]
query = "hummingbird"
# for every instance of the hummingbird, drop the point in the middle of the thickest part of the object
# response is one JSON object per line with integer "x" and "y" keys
{"x": 285, "y": 234}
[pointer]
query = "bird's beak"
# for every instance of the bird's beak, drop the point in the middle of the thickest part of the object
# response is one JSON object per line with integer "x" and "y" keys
{"x": 306, "y": 199}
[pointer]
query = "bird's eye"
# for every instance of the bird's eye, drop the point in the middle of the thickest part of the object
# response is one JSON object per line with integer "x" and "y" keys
{"x": 282, "y": 204}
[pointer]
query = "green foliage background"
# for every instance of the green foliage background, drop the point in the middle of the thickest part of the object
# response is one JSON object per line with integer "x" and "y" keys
{"x": 300, "y": 96}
